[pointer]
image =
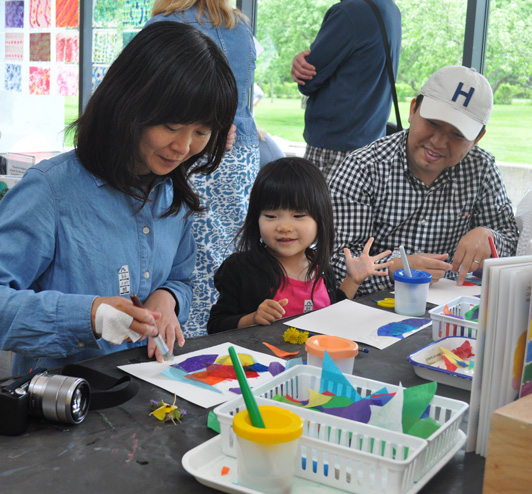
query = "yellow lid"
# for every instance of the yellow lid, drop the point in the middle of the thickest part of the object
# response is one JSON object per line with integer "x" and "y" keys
{"x": 281, "y": 426}
{"x": 337, "y": 348}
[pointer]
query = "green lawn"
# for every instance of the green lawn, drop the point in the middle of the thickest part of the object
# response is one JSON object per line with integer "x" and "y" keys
{"x": 508, "y": 136}
{"x": 71, "y": 113}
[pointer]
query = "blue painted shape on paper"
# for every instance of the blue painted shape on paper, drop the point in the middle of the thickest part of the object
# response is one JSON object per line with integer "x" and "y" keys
{"x": 398, "y": 329}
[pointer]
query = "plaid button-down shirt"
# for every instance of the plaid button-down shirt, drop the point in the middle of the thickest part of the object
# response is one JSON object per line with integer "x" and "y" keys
{"x": 375, "y": 194}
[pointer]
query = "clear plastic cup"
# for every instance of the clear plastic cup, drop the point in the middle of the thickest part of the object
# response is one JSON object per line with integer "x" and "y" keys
{"x": 411, "y": 292}
{"x": 266, "y": 458}
{"x": 341, "y": 350}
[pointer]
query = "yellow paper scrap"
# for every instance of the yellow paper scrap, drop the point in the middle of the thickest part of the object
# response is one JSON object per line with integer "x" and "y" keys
{"x": 455, "y": 359}
{"x": 245, "y": 359}
{"x": 317, "y": 399}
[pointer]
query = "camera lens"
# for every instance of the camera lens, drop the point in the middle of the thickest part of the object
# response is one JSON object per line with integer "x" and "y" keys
{"x": 59, "y": 398}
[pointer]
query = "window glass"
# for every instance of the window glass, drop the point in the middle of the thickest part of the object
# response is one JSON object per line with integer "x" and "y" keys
{"x": 433, "y": 36}
{"x": 508, "y": 67}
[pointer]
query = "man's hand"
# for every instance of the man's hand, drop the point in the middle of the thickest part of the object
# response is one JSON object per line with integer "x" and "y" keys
{"x": 302, "y": 70}
{"x": 431, "y": 263}
{"x": 472, "y": 249}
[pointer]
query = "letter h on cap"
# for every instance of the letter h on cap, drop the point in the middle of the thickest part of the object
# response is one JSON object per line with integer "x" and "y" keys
{"x": 459, "y": 92}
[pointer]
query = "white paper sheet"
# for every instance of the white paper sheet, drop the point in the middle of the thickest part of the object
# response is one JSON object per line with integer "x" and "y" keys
{"x": 352, "y": 320}
{"x": 152, "y": 372}
{"x": 446, "y": 290}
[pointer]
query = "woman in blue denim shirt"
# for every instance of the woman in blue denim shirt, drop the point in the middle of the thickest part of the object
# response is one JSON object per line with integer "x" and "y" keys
{"x": 83, "y": 231}
{"x": 226, "y": 191}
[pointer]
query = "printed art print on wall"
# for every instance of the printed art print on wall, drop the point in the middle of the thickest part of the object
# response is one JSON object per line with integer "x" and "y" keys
{"x": 40, "y": 13}
{"x": 13, "y": 78}
{"x": 14, "y": 46}
{"x": 66, "y": 13}
{"x": 15, "y": 14}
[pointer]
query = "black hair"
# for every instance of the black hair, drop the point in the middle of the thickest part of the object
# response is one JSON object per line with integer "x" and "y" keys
{"x": 295, "y": 184}
{"x": 169, "y": 73}
{"x": 419, "y": 99}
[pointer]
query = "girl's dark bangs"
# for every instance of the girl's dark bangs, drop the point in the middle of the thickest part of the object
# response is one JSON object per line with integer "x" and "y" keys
{"x": 283, "y": 195}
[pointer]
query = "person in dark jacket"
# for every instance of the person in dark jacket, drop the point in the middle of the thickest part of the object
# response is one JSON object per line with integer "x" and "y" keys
{"x": 345, "y": 78}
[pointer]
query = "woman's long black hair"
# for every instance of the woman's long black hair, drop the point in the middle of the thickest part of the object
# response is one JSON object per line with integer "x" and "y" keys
{"x": 170, "y": 73}
{"x": 295, "y": 184}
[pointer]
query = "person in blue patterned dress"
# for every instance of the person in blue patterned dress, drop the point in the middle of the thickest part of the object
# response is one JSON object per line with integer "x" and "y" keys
{"x": 226, "y": 191}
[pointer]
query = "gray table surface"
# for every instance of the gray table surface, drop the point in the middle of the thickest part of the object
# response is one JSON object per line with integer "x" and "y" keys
{"x": 124, "y": 450}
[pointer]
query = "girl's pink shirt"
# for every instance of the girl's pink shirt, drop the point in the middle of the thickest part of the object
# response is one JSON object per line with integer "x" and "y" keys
{"x": 299, "y": 297}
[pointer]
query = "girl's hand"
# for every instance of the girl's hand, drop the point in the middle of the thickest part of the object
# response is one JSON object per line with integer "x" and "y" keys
{"x": 361, "y": 268}
{"x": 269, "y": 311}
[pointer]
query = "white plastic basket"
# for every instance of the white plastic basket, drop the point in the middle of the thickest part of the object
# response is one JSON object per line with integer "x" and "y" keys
{"x": 444, "y": 326}
{"x": 350, "y": 455}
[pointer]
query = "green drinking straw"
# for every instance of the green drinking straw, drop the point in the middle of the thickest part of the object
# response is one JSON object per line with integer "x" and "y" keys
{"x": 249, "y": 399}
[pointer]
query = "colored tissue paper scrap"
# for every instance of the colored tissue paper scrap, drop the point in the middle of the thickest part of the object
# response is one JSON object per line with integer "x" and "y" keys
{"x": 206, "y": 377}
{"x": 406, "y": 410}
{"x": 280, "y": 353}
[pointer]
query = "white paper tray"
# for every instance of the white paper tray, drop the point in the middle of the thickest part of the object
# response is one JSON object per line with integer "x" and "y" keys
{"x": 460, "y": 378}
{"x": 205, "y": 463}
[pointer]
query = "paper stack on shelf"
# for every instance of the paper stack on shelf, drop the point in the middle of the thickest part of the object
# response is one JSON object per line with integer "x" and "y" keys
{"x": 503, "y": 335}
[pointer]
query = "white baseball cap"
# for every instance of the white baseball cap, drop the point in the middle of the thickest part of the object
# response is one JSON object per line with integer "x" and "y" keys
{"x": 459, "y": 96}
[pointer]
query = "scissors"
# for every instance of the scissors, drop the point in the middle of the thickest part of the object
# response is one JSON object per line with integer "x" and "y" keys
{"x": 389, "y": 303}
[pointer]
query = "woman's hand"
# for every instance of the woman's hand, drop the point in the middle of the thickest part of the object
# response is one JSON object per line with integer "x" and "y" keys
{"x": 231, "y": 138}
{"x": 143, "y": 321}
{"x": 161, "y": 304}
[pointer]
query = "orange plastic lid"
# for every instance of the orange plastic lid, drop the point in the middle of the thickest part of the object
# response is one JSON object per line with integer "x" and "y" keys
{"x": 337, "y": 348}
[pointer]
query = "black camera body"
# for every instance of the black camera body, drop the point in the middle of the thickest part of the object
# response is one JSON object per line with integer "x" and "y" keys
{"x": 56, "y": 397}
{"x": 14, "y": 412}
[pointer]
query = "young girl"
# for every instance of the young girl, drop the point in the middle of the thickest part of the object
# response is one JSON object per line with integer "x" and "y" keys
{"x": 281, "y": 267}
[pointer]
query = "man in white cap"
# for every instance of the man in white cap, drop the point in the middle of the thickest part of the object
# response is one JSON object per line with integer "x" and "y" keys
{"x": 429, "y": 188}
